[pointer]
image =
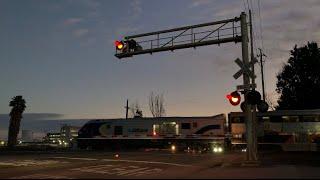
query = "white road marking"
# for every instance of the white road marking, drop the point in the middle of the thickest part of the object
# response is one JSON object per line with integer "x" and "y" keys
{"x": 29, "y": 163}
{"x": 132, "y": 171}
{"x": 100, "y": 169}
{"x": 40, "y": 176}
{"x": 149, "y": 171}
{"x": 86, "y": 159}
{"x": 119, "y": 170}
{"x": 125, "y": 160}
{"x": 146, "y": 162}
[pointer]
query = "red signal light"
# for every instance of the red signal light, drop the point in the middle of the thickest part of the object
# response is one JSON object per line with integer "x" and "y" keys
{"x": 234, "y": 98}
{"x": 119, "y": 45}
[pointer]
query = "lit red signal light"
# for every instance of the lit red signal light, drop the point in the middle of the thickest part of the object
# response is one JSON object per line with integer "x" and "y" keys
{"x": 234, "y": 98}
{"x": 119, "y": 45}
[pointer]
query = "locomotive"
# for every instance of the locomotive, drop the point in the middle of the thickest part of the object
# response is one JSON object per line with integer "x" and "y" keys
{"x": 160, "y": 132}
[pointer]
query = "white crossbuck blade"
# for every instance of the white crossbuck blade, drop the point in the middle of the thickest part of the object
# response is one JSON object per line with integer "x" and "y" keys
{"x": 245, "y": 68}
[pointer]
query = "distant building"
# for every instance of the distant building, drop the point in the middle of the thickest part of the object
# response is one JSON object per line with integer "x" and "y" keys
{"x": 53, "y": 138}
{"x": 69, "y": 133}
{"x": 27, "y": 136}
{"x": 66, "y": 137}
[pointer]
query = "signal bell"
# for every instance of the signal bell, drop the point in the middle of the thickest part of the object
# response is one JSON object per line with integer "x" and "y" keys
{"x": 253, "y": 97}
{"x": 234, "y": 98}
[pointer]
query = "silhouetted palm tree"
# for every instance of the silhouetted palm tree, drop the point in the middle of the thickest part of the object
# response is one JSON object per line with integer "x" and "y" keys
{"x": 18, "y": 105}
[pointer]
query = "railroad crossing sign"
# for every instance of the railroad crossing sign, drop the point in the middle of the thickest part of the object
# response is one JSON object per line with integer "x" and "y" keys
{"x": 245, "y": 68}
{"x": 249, "y": 86}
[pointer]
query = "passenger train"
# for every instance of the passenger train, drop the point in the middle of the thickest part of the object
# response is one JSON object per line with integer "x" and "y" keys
{"x": 182, "y": 132}
{"x": 273, "y": 127}
{"x": 286, "y": 126}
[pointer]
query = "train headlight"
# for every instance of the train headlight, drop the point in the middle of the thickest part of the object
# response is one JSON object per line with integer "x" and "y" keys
{"x": 173, "y": 147}
{"x": 217, "y": 149}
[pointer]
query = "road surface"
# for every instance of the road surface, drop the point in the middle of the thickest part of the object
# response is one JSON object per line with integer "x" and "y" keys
{"x": 156, "y": 165}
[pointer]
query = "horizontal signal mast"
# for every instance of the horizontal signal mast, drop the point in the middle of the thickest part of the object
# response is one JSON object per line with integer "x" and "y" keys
{"x": 217, "y": 32}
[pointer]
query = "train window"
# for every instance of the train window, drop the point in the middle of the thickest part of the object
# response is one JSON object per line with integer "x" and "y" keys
{"x": 195, "y": 125}
{"x": 237, "y": 119}
{"x": 118, "y": 130}
{"x": 185, "y": 126}
{"x": 289, "y": 119}
{"x": 208, "y": 128}
{"x": 308, "y": 119}
{"x": 276, "y": 119}
{"x": 265, "y": 119}
{"x": 168, "y": 128}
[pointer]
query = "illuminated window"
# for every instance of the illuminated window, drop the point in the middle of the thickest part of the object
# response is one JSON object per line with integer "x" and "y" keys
{"x": 166, "y": 128}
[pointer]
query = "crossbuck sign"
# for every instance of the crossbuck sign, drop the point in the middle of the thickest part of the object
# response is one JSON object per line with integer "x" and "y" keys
{"x": 245, "y": 68}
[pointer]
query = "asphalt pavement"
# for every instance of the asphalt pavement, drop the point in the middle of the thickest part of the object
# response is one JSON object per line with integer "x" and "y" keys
{"x": 156, "y": 165}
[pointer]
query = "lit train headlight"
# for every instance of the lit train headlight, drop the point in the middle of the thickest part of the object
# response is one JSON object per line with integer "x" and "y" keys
{"x": 173, "y": 148}
{"x": 217, "y": 149}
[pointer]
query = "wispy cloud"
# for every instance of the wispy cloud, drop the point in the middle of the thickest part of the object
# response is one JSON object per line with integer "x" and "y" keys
{"x": 80, "y": 32}
{"x": 94, "y": 8}
{"x": 197, "y": 3}
{"x": 130, "y": 25}
{"x": 135, "y": 8}
{"x": 128, "y": 29}
{"x": 72, "y": 21}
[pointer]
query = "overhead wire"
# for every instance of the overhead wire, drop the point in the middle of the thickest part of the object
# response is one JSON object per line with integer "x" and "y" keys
{"x": 260, "y": 22}
{"x": 254, "y": 27}
{"x": 248, "y": 4}
{"x": 246, "y": 10}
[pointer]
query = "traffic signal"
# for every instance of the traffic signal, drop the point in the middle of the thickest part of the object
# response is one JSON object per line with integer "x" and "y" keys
{"x": 234, "y": 98}
{"x": 119, "y": 45}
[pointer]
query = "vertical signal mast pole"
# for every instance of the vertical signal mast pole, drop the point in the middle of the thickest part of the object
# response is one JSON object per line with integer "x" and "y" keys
{"x": 251, "y": 152}
{"x": 253, "y": 107}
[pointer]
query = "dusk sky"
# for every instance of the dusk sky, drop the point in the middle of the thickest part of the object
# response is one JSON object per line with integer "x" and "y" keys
{"x": 59, "y": 54}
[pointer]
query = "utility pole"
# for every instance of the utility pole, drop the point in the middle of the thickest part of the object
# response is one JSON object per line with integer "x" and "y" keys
{"x": 251, "y": 46}
{"x": 262, "y": 76}
{"x": 251, "y": 148}
{"x": 127, "y": 108}
{"x": 254, "y": 147}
